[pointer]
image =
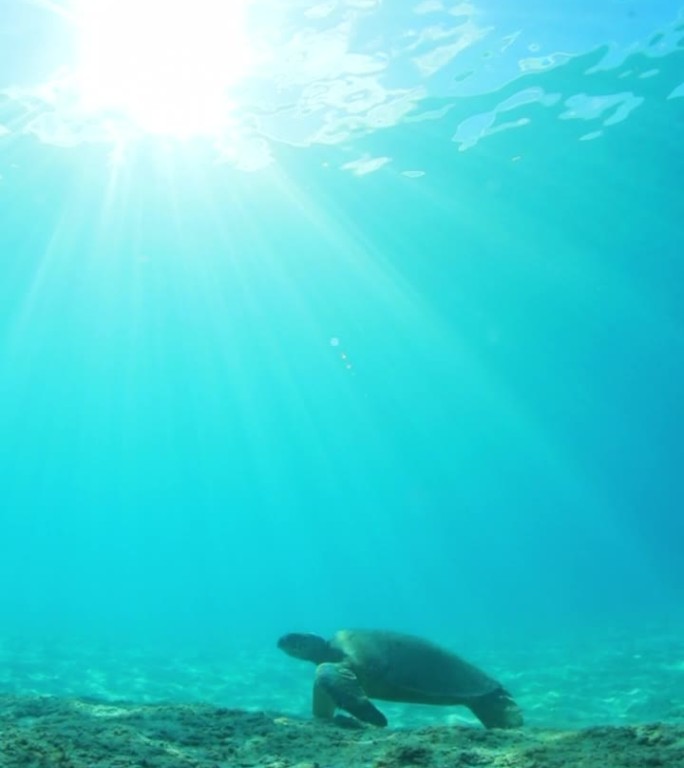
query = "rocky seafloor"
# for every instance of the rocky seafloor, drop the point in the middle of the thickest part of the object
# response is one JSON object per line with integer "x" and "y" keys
{"x": 52, "y": 732}
{"x": 604, "y": 679}
{"x": 604, "y": 700}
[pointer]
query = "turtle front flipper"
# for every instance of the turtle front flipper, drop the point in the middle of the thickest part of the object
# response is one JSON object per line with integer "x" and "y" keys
{"x": 337, "y": 686}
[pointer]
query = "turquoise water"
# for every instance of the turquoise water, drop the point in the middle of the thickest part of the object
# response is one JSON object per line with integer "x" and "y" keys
{"x": 406, "y": 352}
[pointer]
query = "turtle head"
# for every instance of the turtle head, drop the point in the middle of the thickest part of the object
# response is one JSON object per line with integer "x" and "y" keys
{"x": 303, "y": 645}
{"x": 497, "y": 710}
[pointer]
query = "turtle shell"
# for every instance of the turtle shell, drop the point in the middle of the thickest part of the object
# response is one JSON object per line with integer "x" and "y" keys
{"x": 398, "y": 667}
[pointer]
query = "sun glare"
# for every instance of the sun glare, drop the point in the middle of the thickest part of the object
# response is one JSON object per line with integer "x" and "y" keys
{"x": 165, "y": 65}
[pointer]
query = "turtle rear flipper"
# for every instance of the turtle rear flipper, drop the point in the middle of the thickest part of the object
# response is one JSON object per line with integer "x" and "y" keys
{"x": 337, "y": 686}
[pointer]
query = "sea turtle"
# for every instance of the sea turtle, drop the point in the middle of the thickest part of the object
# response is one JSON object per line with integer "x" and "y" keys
{"x": 355, "y": 666}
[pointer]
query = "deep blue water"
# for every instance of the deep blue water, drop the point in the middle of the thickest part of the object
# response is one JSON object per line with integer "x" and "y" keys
{"x": 423, "y": 369}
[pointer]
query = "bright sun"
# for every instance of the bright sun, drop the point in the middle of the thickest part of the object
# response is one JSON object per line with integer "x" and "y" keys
{"x": 166, "y": 65}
